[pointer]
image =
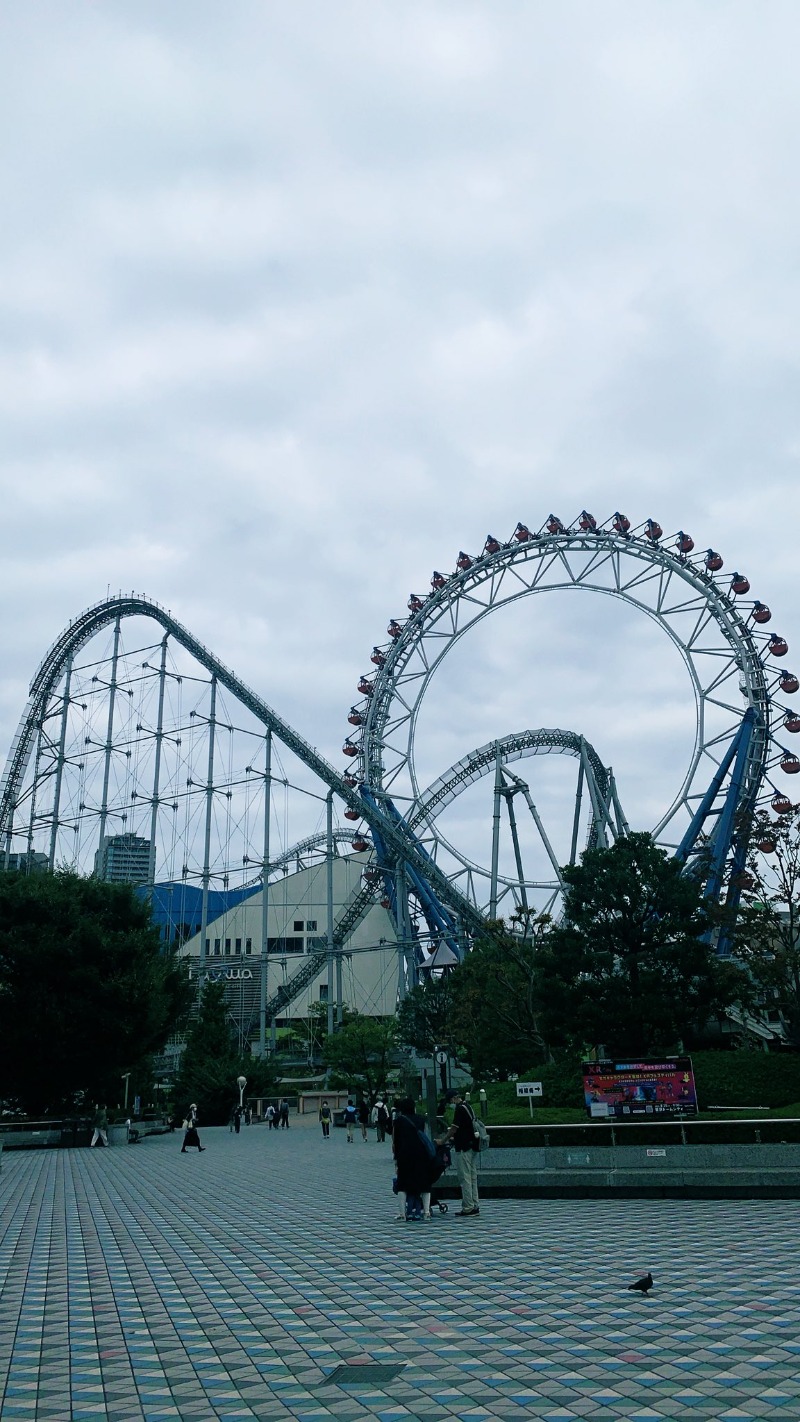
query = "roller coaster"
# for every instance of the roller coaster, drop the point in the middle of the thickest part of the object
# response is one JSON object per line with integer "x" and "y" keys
{"x": 135, "y": 732}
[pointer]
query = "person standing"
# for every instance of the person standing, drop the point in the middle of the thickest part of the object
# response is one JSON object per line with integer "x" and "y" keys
{"x": 413, "y": 1161}
{"x": 284, "y": 1113}
{"x": 325, "y": 1120}
{"x": 350, "y": 1118}
{"x": 363, "y": 1116}
{"x": 237, "y": 1119}
{"x": 191, "y": 1137}
{"x": 270, "y": 1114}
{"x": 467, "y": 1146}
{"x": 100, "y": 1123}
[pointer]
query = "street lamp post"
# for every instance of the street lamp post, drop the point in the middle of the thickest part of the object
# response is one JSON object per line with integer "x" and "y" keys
{"x": 126, "y": 1077}
{"x": 241, "y": 1082}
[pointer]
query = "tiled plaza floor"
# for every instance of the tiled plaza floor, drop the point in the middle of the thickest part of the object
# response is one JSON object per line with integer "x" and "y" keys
{"x": 137, "y": 1283}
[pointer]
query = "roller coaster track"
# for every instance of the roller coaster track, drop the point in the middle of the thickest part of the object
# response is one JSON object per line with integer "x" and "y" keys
{"x": 80, "y": 631}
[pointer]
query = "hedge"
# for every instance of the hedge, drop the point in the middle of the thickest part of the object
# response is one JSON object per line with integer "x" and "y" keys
{"x": 723, "y": 1079}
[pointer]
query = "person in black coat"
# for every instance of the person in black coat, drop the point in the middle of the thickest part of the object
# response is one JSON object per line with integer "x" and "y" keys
{"x": 413, "y": 1160}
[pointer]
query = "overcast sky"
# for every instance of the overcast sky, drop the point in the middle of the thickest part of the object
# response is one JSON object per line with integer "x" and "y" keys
{"x": 299, "y": 300}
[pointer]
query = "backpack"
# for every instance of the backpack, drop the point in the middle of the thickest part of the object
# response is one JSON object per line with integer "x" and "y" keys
{"x": 481, "y": 1133}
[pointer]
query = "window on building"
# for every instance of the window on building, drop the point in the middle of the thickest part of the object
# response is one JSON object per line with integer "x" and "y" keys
{"x": 238, "y": 945}
{"x": 208, "y": 942}
{"x": 216, "y": 945}
{"x": 311, "y": 925}
{"x": 298, "y": 925}
{"x": 227, "y": 945}
{"x": 248, "y": 945}
{"x": 323, "y": 992}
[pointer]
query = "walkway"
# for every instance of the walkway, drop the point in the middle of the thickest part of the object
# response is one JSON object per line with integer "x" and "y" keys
{"x": 141, "y": 1284}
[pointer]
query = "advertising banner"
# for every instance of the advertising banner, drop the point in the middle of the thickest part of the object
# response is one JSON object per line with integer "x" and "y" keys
{"x": 657, "y": 1086}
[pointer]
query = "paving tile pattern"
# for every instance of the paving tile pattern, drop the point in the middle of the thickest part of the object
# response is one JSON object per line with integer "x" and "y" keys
{"x": 138, "y": 1283}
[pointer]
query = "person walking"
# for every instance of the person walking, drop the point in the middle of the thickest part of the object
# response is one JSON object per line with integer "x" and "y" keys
{"x": 350, "y": 1118}
{"x": 284, "y": 1114}
{"x": 270, "y": 1115}
{"x": 381, "y": 1119}
{"x": 363, "y": 1116}
{"x": 325, "y": 1120}
{"x": 100, "y": 1123}
{"x": 191, "y": 1137}
{"x": 237, "y": 1119}
{"x": 464, "y": 1136}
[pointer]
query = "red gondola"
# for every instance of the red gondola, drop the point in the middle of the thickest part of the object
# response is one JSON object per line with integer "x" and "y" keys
{"x": 791, "y": 722}
{"x": 350, "y": 780}
{"x": 761, "y": 612}
{"x": 359, "y": 844}
{"x": 349, "y": 749}
{"x": 414, "y": 603}
{"x": 767, "y": 846}
{"x": 386, "y": 903}
{"x": 778, "y": 646}
{"x": 492, "y": 544}
{"x": 713, "y": 561}
{"x": 352, "y": 815}
{"x": 365, "y": 686}
{"x": 621, "y": 523}
{"x": 790, "y": 763}
{"x": 743, "y": 880}
{"x": 586, "y": 523}
{"x": 438, "y": 580}
{"x": 371, "y": 876}
{"x": 378, "y": 657}
{"x": 781, "y": 804}
{"x": 356, "y": 718}
{"x": 463, "y": 561}
{"x": 740, "y": 584}
{"x": 788, "y": 683}
{"x": 522, "y": 533}
{"x": 554, "y": 525}
{"x": 684, "y": 543}
{"x": 653, "y": 530}
{"x": 394, "y": 629}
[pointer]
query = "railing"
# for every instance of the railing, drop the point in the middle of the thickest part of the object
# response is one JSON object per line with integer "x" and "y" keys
{"x": 773, "y": 1130}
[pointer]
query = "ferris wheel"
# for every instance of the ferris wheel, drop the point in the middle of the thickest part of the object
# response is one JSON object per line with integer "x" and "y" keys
{"x": 738, "y": 686}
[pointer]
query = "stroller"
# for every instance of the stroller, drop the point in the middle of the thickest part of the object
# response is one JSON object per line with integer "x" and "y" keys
{"x": 439, "y": 1165}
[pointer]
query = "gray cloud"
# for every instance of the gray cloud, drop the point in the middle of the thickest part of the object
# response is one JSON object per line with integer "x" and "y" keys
{"x": 297, "y": 302}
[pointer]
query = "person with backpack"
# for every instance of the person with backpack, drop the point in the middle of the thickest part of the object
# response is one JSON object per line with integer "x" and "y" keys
{"x": 325, "y": 1120}
{"x": 464, "y": 1135}
{"x": 284, "y": 1114}
{"x": 381, "y": 1119}
{"x": 350, "y": 1118}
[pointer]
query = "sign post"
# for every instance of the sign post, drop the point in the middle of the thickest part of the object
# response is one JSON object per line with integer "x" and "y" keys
{"x": 529, "y": 1089}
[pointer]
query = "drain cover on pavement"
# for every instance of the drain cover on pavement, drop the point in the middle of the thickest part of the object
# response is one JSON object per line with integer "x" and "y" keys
{"x": 365, "y": 1372}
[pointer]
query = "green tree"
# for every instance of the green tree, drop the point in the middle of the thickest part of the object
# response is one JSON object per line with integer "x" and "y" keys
{"x": 86, "y": 990}
{"x": 627, "y": 966}
{"x": 359, "y": 1054}
{"x": 211, "y": 1062}
{"x": 423, "y": 1017}
{"x": 494, "y": 1012}
{"x": 766, "y": 939}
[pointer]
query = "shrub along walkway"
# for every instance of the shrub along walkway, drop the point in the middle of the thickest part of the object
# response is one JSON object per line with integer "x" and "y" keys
{"x": 140, "y": 1283}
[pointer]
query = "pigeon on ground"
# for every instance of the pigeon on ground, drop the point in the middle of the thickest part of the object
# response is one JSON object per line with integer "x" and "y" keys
{"x": 643, "y": 1284}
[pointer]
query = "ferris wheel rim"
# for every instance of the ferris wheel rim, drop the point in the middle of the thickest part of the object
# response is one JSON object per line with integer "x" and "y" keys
{"x": 736, "y": 638}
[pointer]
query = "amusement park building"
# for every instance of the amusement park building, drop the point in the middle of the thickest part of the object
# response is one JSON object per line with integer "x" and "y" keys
{"x": 296, "y": 927}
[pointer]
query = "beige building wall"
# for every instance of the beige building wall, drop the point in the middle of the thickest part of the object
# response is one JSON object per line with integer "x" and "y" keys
{"x": 297, "y": 914}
